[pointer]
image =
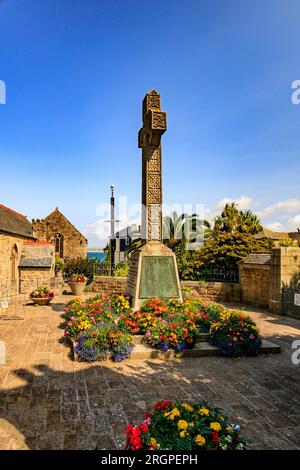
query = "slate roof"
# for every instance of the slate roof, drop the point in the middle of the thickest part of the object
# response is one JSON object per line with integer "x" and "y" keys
{"x": 35, "y": 263}
{"x": 14, "y": 223}
{"x": 266, "y": 233}
{"x": 37, "y": 255}
{"x": 257, "y": 258}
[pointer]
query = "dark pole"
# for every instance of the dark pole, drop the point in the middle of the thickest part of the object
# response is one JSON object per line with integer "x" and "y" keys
{"x": 112, "y": 229}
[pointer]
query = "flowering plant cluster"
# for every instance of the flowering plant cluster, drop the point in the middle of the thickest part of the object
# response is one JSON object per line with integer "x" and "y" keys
{"x": 155, "y": 305}
{"x": 236, "y": 335}
{"x": 104, "y": 341}
{"x": 77, "y": 278}
{"x": 137, "y": 322}
{"x": 173, "y": 331}
{"x": 184, "y": 426}
{"x": 120, "y": 303}
{"x": 80, "y": 314}
{"x": 42, "y": 292}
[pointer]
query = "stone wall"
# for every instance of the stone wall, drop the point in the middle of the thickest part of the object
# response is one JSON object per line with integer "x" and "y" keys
{"x": 8, "y": 285}
{"x": 211, "y": 291}
{"x": 32, "y": 278}
{"x": 216, "y": 291}
{"x": 285, "y": 264}
{"x": 108, "y": 284}
{"x": 255, "y": 284}
{"x": 74, "y": 243}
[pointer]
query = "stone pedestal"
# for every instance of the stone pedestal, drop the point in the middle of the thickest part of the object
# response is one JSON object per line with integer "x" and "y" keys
{"x": 152, "y": 273}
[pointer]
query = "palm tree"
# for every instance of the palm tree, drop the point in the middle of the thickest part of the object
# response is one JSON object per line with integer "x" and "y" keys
{"x": 249, "y": 223}
{"x": 232, "y": 220}
{"x": 184, "y": 226}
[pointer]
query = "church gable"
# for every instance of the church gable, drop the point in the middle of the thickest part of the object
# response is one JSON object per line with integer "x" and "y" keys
{"x": 57, "y": 222}
{"x": 57, "y": 229}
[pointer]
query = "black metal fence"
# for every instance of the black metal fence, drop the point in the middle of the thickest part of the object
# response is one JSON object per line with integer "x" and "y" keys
{"x": 218, "y": 275}
{"x": 103, "y": 271}
{"x": 206, "y": 274}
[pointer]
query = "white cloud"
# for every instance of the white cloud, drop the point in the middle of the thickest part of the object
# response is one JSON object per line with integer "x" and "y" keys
{"x": 276, "y": 226}
{"x": 244, "y": 202}
{"x": 290, "y": 205}
{"x": 294, "y": 222}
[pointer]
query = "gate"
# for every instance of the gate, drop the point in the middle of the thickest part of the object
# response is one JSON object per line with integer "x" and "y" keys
{"x": 290, "y": 297}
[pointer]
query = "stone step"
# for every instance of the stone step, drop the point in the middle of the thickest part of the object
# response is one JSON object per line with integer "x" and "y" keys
{"x": 268, "y": 347}
{"x": 201, "y": 349}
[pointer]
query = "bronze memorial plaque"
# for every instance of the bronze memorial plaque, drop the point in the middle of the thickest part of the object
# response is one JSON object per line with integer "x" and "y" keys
{"x": 158, "y": 277}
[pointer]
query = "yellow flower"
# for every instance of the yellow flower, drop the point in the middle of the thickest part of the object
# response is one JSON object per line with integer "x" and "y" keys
{"x": 183, "y": 433}
{"x": 215, "y": 426}
{"x": 182, "y": 424}
{"x": 200, "y": 440}
{"x": 187, "y": 407}
{"x": 153, "y": 442}
{"x": 191, "y": 425}
{"x": 229, "y": 429}
{"x": 172, "y": 414}
{"x": 204, "y": 411}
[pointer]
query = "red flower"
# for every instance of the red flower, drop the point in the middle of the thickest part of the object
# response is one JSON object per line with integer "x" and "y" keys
{"x": 144, "y": 427}
{"x": 135, "y": 442}
{"x": 161, "y": 405}
{"x": 136, "y": 431}
{"x": 215, "y": 437}
{"x": 128, "y": 429}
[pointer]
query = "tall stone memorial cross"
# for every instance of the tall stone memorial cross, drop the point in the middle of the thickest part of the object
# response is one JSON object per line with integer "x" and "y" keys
{"x": 152, "y": 268}
{"x": 149, "y": 140}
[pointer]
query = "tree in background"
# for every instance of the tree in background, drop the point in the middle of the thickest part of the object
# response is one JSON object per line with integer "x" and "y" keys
{"x": 232, "y": 220}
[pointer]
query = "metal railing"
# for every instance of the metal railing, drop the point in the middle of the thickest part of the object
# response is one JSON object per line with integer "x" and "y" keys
{"x": 217, "y": 275}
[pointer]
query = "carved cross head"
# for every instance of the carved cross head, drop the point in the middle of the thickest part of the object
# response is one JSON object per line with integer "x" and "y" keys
{"x": 154, "y": 121}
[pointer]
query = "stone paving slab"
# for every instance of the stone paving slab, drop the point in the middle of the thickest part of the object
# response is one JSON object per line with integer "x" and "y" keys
{"x": 48, "y": 401}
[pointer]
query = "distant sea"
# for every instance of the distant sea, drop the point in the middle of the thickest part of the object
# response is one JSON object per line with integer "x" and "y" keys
{"x": 99, "y": 255}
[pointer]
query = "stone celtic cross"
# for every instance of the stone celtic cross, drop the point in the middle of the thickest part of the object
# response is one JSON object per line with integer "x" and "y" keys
{"x": 149, "y": 139}
{"x": 152, "y": 267}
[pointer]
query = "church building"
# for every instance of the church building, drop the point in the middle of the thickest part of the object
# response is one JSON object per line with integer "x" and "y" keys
{"x": 57, "y": 229}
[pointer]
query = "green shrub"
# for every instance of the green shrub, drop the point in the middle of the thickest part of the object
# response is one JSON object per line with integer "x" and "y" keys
{"x": 121, "y": 269}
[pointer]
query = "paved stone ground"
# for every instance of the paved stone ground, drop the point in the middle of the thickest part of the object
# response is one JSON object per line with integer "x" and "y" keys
{"x": 47, "y": 401}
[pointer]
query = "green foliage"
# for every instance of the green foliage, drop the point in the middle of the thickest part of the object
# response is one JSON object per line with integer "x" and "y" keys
{"x": 59, "y": 264}
{"x": 232, "y": 220}
{"x": 222, "y": 250}
{"x": 286, "y": 242}
{"x": 121, "y": 269}
{"x": 86, "y": 266}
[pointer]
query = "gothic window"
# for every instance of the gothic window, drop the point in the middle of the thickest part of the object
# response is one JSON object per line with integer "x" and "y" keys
{"x": 58, "y": 241}
{"x": 14, "y": 262}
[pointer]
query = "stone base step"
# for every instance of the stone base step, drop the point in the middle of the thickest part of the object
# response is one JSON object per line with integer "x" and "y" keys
{"x": 201, "y": 349}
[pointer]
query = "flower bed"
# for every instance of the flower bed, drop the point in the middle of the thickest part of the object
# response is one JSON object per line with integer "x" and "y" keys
{"x": 104, "y": 341}
{"x": 184, "y": 426}
{"x": 164, "y": 325}
{"x": 236, "y": 335}
{"x": 80, "y": 315}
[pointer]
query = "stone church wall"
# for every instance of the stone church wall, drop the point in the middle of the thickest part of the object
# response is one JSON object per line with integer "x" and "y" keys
{"x": 74, "y": 243}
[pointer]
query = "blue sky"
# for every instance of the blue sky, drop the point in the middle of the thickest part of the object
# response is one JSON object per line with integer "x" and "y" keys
{"x": 76, "y": 72}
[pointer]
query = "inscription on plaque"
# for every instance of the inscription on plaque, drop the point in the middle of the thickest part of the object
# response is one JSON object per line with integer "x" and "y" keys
{"x": 158, "y": 277}
{"x": 297, "y": 300}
